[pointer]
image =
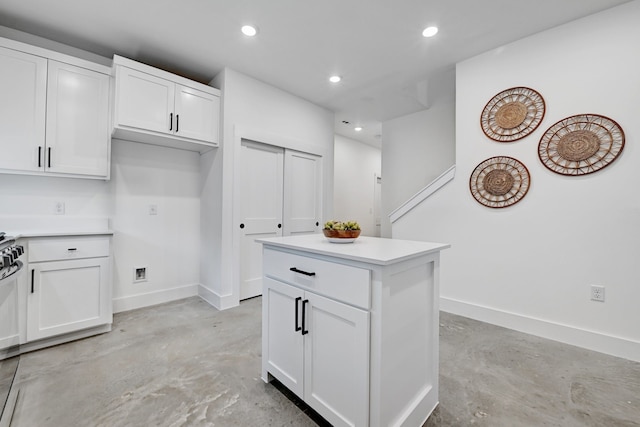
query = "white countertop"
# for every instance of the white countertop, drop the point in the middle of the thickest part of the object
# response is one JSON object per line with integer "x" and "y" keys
{"x": 49, "y": 233}
{"x": 373, "y": 250}
{"x": 52, "y": 226}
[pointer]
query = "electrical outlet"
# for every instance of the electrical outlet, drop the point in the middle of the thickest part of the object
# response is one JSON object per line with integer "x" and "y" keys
{"x": 597, "y": 293}
{"x": 58, "y": 208}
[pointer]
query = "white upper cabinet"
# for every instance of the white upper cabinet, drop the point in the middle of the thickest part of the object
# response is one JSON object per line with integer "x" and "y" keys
{"x": 54, "y": 116}
{"x": 143, "y": 101}
{"x": 77, "y": 139}
{"x": 157, "y": 107}
{"x": 197, "y": 114}
{"x": 23, "y": 85}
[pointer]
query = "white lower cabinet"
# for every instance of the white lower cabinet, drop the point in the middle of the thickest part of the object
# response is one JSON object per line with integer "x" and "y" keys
{"x": 67, "y": 296}
{"x": 352, "y": 329}
{"x": 336, "y": 355}
{"x": 69, "y": 285}
{"x": 318, "y": 348}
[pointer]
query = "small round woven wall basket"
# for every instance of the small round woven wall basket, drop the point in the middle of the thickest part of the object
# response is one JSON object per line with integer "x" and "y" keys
{"x": 499, "y": 182}
{"x": 512, "y": 114}
{"x": 581, "y": 144}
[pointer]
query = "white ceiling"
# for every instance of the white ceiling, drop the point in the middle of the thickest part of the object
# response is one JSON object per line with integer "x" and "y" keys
{"x": 388, "y": 68}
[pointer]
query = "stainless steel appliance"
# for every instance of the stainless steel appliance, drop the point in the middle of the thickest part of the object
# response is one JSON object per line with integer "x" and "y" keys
{"x": 10, "y": 266}
{"x": 10, "y": 251}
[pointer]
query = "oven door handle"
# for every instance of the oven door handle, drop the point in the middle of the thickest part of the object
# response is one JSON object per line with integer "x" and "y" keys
{"x": 12, "y": 276}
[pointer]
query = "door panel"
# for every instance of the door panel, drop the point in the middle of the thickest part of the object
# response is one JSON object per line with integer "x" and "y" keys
{"x": 285, "y": 350}
{"x": 23, "y": 85}
{"x": 67, "y": 296}
{"x": 144, "y": 101}
{"x": 260, "y": 194}
{"x": 336, "y": 354}
{"x": 77, "y": 120}
{"x": 302, "y": 193}
{"x": 377, "y": 203}
{"x": 197, "y": 114}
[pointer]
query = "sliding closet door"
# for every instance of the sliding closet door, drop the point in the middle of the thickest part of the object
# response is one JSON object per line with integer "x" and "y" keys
{"x": 302, "y": 207}
{"x": 260, "y": 215}
{"x": 279, "y": 193}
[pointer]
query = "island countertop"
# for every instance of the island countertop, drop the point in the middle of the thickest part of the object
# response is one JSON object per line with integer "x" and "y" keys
{"x": 373, "y": 250}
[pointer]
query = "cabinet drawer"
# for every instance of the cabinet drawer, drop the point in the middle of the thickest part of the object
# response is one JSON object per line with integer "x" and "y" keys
{"x": 53, "y": 249}
{"x": 337, "y": 281}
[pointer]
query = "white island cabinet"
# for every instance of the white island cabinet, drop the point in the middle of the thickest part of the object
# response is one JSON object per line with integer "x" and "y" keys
{"x": 352, "y": 329}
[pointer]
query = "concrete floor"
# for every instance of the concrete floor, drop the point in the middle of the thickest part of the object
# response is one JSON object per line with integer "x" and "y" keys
{"x": 187, "y": 364}
{"x": 8, "y": 368}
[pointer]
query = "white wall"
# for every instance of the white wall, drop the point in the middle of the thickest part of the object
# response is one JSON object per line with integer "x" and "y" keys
{"x": 530, "y": 266}
{"x": 24, "y": 195}
{"x": 167, "y": 244}
{"x": 355, "y": 167}
{"x": 416, "y": 149}
{"x": 254, "y": 110}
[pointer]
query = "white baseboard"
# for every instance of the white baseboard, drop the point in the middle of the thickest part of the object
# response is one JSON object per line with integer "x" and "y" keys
{"x": 596, "y": 341}
{"x": 132, "y": 302}
{"x": 221, "y": 302}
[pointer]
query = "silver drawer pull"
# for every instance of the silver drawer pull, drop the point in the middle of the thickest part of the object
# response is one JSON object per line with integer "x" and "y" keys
{"x": 306, "y": 273}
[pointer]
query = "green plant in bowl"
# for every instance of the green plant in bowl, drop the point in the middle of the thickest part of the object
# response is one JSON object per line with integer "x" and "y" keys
{"x": 341, "y": 229}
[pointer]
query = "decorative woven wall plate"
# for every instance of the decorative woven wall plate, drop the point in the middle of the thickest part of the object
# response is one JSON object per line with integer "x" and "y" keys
{"x": 580, "y": 145}
{"x": 512, "y": 114}
{"x": 499, "y": 182}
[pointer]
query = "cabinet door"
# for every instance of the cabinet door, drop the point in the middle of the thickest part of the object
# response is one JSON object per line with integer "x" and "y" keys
{"x": 67, "y": 296}
{"x": 144, "y": 101}
{"x": 23, "y": 85}
{"x": 336, "y": 361}
{"x": 302, "y": 207}
{"x": 283, "y": 351}
{"x": 197, "y": 114}
{"x": 77, "y": 121}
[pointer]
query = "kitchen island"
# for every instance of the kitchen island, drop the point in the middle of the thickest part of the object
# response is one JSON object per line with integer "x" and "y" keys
{"x": 352, "y": 329}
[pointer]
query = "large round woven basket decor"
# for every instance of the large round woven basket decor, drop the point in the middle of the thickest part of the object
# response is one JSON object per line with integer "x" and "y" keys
{"x": 512, "y": 114}
{"x": 580, "y": 145}
{"x": 499, "y": 182}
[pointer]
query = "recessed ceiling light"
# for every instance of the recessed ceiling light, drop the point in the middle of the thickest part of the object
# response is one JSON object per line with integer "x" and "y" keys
{"x": 249, "y": 30}
{"x": 357, "y": 129}
{"x": 335, "y": 79}
{"x": 430, "y": 31}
